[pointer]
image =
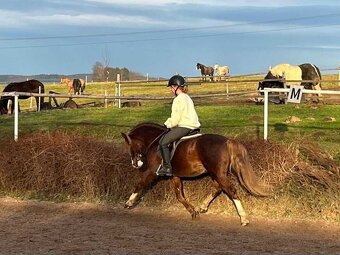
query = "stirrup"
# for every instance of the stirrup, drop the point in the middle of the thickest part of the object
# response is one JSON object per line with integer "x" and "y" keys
{"x": 161, "y": 171}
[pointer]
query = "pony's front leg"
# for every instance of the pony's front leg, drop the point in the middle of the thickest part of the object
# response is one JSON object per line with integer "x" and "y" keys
{"x": 178, "y": 186}
{"x": 147, "y": 178}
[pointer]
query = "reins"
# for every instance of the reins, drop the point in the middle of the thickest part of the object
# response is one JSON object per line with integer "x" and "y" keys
{"x": 154, "y": 140}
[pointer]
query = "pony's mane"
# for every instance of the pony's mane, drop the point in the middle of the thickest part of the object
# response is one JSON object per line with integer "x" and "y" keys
{"x": 146, "y": 124}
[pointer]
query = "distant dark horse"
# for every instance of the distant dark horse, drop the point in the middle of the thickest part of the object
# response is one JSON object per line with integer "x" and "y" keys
{"x": 75, "y": 86}
{"x": 206, "y": 70}
{"x": 209, "y": 153}
{"x": 78, "y": 87}
{"x": 31, "y": 86}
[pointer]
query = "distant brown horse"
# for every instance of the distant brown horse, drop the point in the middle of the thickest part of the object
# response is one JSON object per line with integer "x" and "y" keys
{"x": 69, "y": 83}
{"x": 206, "y": 70}
{"x": 31, "y": 86}
{"x": 75, "y": 86}
{"x": 209, "y": 153}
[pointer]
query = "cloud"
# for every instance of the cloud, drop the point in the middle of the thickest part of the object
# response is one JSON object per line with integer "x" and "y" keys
{"x": 22, "y": 19}
{"x": 315, "y": 47}
{"x": 227, "y": 3}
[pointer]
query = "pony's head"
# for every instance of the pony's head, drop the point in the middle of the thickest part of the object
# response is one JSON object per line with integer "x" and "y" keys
{"x": 279, "y": 70}
{"x": 139, "y": 139}
{"x": 277, "y": 83}
{"x": 136, "y": 151}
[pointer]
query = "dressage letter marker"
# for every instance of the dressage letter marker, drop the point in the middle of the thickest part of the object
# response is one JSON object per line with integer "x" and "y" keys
{"x": 295, "y": 94}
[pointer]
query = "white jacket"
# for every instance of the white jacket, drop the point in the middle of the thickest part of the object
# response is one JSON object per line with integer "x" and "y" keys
{"x": 183, "y": 113}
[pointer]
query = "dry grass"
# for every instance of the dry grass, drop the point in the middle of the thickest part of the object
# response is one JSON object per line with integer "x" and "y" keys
{"x": 61, "y": 166}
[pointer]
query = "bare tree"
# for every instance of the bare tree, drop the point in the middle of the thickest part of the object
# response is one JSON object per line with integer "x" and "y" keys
{"x": 98, "y": 72}
{"x": 106, "y": 57}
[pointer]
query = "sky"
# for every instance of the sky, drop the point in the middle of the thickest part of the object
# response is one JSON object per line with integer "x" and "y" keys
{"x": 164, "y": 37}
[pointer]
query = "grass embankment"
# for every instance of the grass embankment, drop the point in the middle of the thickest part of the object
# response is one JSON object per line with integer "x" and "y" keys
{"x": 78, "y": 154}
{"x": 61, "y": 167}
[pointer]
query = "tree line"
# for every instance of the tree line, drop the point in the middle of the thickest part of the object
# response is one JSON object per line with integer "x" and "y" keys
{"x": 101, "y": 72}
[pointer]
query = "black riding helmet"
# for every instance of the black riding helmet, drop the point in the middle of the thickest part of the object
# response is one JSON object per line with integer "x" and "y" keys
{"x": 176, "y": 80}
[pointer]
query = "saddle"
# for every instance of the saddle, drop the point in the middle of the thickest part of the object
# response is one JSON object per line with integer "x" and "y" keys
{"x": 192, "y": 134}
{"x": 172, "y": 147}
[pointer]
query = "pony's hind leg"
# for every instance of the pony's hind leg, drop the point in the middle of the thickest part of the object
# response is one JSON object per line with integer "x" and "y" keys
{"x": 178, "y": 186}
{"x": 230, "y": 191}
{"x": 214, "y": 193}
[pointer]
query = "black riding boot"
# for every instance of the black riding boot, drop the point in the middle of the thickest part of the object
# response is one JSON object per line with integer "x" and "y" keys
{"x": 166, "y": 169}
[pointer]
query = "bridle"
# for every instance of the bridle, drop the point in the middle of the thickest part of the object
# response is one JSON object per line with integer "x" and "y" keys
{"x": 143, "y": 154}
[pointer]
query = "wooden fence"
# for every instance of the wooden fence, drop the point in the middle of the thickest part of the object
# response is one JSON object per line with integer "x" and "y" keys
{"x": 195, "y": 79}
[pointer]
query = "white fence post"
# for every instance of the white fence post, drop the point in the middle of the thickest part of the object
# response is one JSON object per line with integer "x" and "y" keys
{"x": 105, "y": 100}
{"x": 339, "y": 76}
{"x": 16, "y": 117}
{"x": 39, "y": 100}
{"x": 118, "y": 89}
{"x": 265, "y": 113}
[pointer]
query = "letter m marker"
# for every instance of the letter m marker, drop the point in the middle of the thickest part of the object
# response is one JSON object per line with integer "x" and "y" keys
{"x": 295, "y": 94}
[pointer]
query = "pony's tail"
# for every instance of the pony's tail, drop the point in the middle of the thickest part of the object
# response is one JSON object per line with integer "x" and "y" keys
{"x": 241, "y": 166}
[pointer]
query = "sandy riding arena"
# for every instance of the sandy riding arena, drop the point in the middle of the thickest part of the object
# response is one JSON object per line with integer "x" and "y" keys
{"x": 31, "y": 227}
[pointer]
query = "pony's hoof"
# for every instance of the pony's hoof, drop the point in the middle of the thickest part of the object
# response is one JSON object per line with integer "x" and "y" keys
{"x": 128, "y": 206}
{"x": 195, "y": 215}
{"x": 245, "y": 223}
{"x": 203, "y": 210}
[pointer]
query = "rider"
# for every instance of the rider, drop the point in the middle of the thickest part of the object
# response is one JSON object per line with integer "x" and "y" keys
{"x": 183, "y": 119}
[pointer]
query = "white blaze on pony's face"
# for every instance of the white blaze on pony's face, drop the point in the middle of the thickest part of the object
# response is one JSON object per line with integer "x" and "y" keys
{"x": 136, "y": 156}
{"x": 136, "y": 160}
{"x": 135, "y": 151}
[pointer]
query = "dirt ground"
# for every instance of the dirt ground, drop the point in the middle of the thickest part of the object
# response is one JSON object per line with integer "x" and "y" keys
{"x": 32, "y": 227}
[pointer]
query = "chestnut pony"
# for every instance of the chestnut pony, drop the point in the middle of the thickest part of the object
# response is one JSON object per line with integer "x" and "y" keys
{"x": 69, "y": 83}
{"x": 213, "y": 154}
